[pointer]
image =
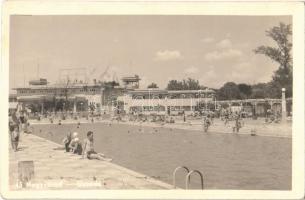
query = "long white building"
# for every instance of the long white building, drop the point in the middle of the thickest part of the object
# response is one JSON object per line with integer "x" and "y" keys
{"x": 158, "y": 101}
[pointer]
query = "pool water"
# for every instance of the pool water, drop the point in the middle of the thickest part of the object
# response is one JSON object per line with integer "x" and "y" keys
{"x": 227, "y": 161}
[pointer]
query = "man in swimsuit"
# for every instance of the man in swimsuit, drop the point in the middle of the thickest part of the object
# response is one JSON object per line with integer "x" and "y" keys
{"x": 88, "y": 149}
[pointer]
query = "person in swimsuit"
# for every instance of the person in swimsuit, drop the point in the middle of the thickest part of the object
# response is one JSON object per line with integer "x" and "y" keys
{"x": 75, "y": 145}
{"x": 88, "y": 149}
{"x": 67, "y": 141}
{"x": 14, "y": 130}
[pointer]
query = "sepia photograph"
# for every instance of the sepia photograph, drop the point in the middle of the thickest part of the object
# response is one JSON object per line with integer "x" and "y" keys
{"x": 175, "y": 102}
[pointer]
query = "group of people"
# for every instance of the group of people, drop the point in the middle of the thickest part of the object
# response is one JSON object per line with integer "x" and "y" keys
{"x": 272, "y": 116}
{"x": 18, "y": 122}
{"x": 73, "y": 144}
{"x": 226, "y": 117}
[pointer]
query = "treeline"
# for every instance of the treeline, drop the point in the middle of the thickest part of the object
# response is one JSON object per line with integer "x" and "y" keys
{"x": 188, "y": 84}
{"x": 231, "y": 90}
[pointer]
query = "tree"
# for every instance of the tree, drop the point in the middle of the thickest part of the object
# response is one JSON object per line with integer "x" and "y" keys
{"x": 282, "y": 55}
{"x": 192, "y": 84}
{"x": 259, "y": 91}
{"x": 265, "y": 90}
{"x": 153, "y": 85}
{"x": 228, "y": 91}
{"x": 174, "y": 85}
{"x": 245, "y": 90}
{"x": 188, "y": 84}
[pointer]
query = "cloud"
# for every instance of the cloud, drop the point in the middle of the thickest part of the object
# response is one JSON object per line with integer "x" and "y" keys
{"x": 223, "y": 44}
{"x": 223, "y": 54}
{"x": 207, "y": 40}
{"x": 210, "y": 78}
{"x": 168, "y": 55}
{"x": 191, "y": 70}
{"x": 211, "y": 67}
{"x": 243, "y": 66}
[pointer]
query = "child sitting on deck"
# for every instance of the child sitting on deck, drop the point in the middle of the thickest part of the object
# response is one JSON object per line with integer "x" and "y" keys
{"x": 89, "y": 149}
{"x": 75, "y": 145}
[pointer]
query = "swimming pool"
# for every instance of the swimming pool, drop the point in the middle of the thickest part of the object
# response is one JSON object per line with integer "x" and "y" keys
{"x": 228, "y": 161}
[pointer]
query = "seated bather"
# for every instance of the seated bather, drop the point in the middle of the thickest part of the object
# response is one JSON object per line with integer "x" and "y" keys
{"x": 89, "y": 149}
{"x": 67, "y": 141}
{"x": 75, "y": 145}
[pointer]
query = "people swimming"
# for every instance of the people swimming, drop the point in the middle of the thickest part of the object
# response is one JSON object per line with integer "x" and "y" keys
{"x": 237, "y": 125}
{"x": 206, "y": 123}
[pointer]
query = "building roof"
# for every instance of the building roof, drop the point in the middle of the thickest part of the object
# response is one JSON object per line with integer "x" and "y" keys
{"x": 190, "y": 91}
{"x": 12, "y": 95}
{"x": 148, "y": 91}
{"x": 57, "y": 86}
{"x": 131, "y": 78}
{"x": 49, "y": 97}
{"x": 160, "y": 91}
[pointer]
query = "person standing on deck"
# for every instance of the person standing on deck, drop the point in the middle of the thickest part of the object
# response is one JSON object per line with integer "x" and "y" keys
{"x": 14, "y": 124}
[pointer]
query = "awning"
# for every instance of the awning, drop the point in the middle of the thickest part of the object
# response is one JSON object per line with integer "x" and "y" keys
{"x": 49, "y": 97}
{"x": 72, "y": 97}
{"x": 34, "y": 98}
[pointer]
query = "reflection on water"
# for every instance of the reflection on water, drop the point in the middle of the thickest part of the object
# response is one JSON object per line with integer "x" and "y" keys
{"x": 227, "y": 161}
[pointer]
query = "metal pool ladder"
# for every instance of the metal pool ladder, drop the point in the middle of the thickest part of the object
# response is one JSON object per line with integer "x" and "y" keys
{"x": 188, "y": 176}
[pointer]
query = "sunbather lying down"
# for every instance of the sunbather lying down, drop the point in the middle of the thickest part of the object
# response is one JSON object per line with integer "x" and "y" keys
{"x": 88, "y": 149}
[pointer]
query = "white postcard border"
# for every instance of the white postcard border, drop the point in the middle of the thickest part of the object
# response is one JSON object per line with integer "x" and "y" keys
{"x": 47, "y": 7}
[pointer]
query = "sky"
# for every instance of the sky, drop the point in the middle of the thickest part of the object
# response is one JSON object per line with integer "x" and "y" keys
{"x": 211, "y": 49}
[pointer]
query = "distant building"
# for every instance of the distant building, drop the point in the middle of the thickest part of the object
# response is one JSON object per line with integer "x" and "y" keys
{"x": 60, "y": 97}
{"x": 162, "y": 102}
{"x": 131, "y": 82}
{"x": 12, "y": 100}
{"x": 76, "y": 96}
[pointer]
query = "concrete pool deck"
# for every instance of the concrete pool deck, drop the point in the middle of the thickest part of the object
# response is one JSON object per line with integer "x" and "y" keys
{"x": 55, "y": 169}
{"x": 259, "y": 127}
